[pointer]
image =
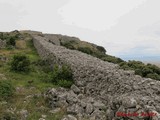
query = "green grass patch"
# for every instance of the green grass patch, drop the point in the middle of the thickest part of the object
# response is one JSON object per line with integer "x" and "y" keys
{"x": 25, "y": 84}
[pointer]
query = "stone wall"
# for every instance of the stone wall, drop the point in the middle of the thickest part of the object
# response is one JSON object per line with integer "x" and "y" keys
{"x": 118, "y": 90}
{"x": 2, "y": 43}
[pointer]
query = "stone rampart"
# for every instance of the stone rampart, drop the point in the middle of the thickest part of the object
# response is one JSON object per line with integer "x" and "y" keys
{"x": 119, "y": 90}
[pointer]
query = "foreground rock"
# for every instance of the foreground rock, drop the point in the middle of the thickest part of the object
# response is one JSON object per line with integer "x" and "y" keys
{"x": 77, "y": 105}
{"x": 98, "y": 81}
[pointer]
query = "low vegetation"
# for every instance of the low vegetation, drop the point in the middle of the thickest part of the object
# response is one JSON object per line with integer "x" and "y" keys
{"x": 144, "y": 70}
{"x": 6, "y": 89}
{"x": 149, "y": 70}
{"x": 24, "y": 76}
{"x": 10, "y": 38}
{"x": 20, "y": 63}
{"x": 21, "y": 84}
{"x": 57, "y": 75}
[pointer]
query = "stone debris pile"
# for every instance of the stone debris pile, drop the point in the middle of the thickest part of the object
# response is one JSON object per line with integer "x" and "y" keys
{"x": 101, "y": 89}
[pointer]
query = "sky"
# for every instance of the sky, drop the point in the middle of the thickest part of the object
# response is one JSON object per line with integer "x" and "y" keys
{"x": 126, "y": 28}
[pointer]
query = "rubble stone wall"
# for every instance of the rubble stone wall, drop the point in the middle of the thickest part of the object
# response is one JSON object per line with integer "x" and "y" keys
{"x": 119, "y": 90}
{"x": 2, "y": 43}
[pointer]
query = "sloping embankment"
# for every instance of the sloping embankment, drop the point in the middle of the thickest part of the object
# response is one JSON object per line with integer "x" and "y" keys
{"x": 119, "y": 90}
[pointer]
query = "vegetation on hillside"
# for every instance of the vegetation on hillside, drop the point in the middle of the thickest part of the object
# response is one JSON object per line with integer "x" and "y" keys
{"x": 58, "y": 75}
{"x": 21, "y": 84}
{"x": 24, "y": 76}
{"x": 149, "y": 70}
{"x": 20, "y": 63}
{"x": 144, "y": 70}
{"x": 10, "y": 38}
{"x": 6, "y": 89}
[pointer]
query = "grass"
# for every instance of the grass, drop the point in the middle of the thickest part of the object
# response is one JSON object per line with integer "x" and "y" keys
{"x": 21, "y": 79}
{"x": 36, "y": 106}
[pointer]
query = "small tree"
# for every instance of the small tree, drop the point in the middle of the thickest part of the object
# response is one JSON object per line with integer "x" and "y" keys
{"x": 20, "y": 63}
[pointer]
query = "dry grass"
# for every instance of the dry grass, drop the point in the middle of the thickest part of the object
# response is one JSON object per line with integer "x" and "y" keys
{"x": 21, "y": 44}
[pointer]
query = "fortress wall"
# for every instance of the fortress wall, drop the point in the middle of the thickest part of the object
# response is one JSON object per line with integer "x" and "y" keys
{"x": 104, "y": 81}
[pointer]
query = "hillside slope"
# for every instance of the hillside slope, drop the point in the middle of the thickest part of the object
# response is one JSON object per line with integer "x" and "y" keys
{"x": 73, "y": 43}
{"x": 115, "y": 89}
{"x": 101, "y": 89}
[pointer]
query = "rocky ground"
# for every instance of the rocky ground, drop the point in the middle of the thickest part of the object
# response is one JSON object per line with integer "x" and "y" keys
{"x": 101, "y": 89}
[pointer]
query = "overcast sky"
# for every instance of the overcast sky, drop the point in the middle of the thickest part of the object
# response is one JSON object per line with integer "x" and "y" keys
{"x": 123, "y": 27}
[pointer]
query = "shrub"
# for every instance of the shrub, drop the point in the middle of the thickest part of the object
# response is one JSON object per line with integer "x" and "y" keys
{"x": 149, "y": 70}
{"x": 85, "y": 50}
{"x": 20, "y": 63}
{"x": 66, "y": 72}
{"x": 155, "y": 68}
{"x": 112, "y": 59}
{"x": 11, "y": 41}
{"x": 10, "y": 38}
{"x": 65, "y": 83}
{"x": 123, "y": 65}
{"x": 145, "y": 70}
{"x": 60, "y": 75}
{"x": 153, "y": 76}
{"x": 68, "y": 44}
{"x": 138, "y": 71}
{"x": 135, "y": 64}
{"x": 1, "y": 35}
{"x": 101, "y": 49}
{"x": 6, "y": 89}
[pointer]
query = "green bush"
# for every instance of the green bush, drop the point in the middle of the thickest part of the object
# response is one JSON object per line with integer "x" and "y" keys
{"x": 135, "y": 64}
{"x": 85, "y": 50}
{"x": 59, "y": 75}
{"x": 10, "y": 38}
{"x": 112, "y": 59}
{"x": 149, "y": 70}
{"x": 155, "y": 68}
{"x": 20, "y": 63}
{"x": 11, "y": 41}
{"x": 68, "y": 44}
{"x": 1, "y": 35}
{"x": 6, "y": 89}
{"x": 123, "y": 65}
{"x": 153, "y": 76}
{"x": 65, "y": 83}
{"x": 138, "y": 71}
{"x": 145, "y": 71}
{"x": 101, "y": 49}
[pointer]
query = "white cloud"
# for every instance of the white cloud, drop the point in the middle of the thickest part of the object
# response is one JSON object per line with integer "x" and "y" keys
{"x": 121, "y": 26}
{"x": 96, "y": 14}
{"x": 10, "y": 16}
